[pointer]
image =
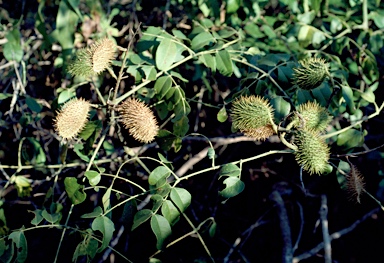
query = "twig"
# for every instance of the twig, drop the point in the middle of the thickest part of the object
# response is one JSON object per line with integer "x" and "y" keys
{"x": 358, "y": 153}
{"x": 112, "y": 244}
{"x": 301, "y": 227}
{"x": 324, "y": 227}
{"x": 240, "y": 241}
{"x": 287, "y": 251}
{"x": 333, "y": 236}
{"x": 192, "y": 161}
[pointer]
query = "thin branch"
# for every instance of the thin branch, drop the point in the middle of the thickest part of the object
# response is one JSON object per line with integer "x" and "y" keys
{"x": 333, "y": 236}
{"x": 287, "y": 251}
{"x": 324, "y": 226}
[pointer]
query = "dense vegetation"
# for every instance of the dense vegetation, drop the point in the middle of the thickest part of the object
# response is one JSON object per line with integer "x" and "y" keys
{"x": 191, "y": 131}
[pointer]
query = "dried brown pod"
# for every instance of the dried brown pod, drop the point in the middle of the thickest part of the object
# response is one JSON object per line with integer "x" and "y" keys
{"x": 72, "y": 118}
{"x": 139, "y": 120}
{"x": 355, "y": 184}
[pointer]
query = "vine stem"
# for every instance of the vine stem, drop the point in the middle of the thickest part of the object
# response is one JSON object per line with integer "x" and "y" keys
{"x": 265, "y": 74}
{"x": 72, "y": 206}
{"x": 377, "y": 112}
{"x": 237, "y": 162}
{"x": 191, "y": 56}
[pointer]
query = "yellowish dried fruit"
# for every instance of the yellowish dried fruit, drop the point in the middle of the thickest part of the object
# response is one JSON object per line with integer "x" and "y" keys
{"x": 260, "y": 134}
{"x": 253, "y": 116}
{"x": 94, "y": 59}
{"x": 139, "y": 120}
{"x": 72, "y": 118}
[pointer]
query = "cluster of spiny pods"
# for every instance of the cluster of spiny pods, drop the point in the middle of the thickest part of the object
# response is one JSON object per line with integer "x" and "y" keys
{"x": 252, "y": 115}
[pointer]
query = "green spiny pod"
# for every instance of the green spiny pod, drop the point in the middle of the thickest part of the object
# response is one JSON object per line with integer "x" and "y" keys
{"x": 94, "y": 59}
{"x": 312, "y": 152}
{"x": 311, "y": 116}
{"x": 253, "y": 116}
{"x": 311, "y": 74}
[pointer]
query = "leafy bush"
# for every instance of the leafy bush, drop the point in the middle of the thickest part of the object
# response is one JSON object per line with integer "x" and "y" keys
{"x": 132, "y": 130}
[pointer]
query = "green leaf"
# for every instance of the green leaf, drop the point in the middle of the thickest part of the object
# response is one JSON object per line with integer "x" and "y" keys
{"x": 51, "y": 218}
{"x": 212, "y": 229}
{"x": 163, "y": 188}
{"x": 66, "y": 95}
{"x": 38, "y": 217}
{"x": 12, "y": 49}
{"x": 166, "y": 54}
{"x": 230, "y": 169}
{"x": 181, "y": 197}
{"x": 66, "y": 24}
{"x": 368, "y": 96}
{"x": 97, "y": 211}
{"x": 284, "y": 74}
{"x": 202, "y": 39}
{"x": 18, "y": 238}
{"x": 253, "y": 30}
{"x": 90, "y": 128}
{"x": 348, "y": 97}
{"x": 350, "y": 139}
{"x": 7, "y": 251}
{"x": 106, "y": 199}
{"x": 77, "y": 147}
{"x": 224, "y": 63}
{"x": 234, "y": 186}
{"x": 282, "y": 108}
{"x": 163, "y": 159}
{"x": 33, "y": 105}
{"x": 162, "y": 86}
{"x": 181, "y": 127}
{"x": 182, "y": 109}
{"x": 94, "y": 177}
{"x": 303, "y": 96}
{"x": 345, "y": 168}
{"x": 209, "y": 61}
{"x": 33, "y": 152}
{"x": 170, "y": 212}
{"x": 270, "y": 60}
{"x": 322, "y": 94}
{"x": 22, "y": 181}
{"x": 150, "y": 72}
{"x": 140, "y": 217}
{"x": 211, "y": 153}
{"x": 157, "y": 174}
{"x": 4, "y": 96}
{"x": 162, "y": 230}
{"x": 106, "y": 227}
{"x": 305, "y": 35}
{"x": 307, "y": 17}
{"x": 232, "y": 6}
{"x": 179, "y": 34}
{"x": 74, "y": 190}
{"x": 157, "y": 201}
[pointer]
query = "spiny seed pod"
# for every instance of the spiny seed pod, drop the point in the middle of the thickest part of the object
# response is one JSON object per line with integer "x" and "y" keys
{"x": 252, "y": 115}
{"x": 355, "y": 184}
{"x": 311, "y": 74}
{"x": 94, "y": 59}
{"x": 312, "y": 116}
{"x": 261, "y": 133}
{"x": 139, "y": 120}
{"x": 312, "y": 153}
{"x": 72, "y": 118}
